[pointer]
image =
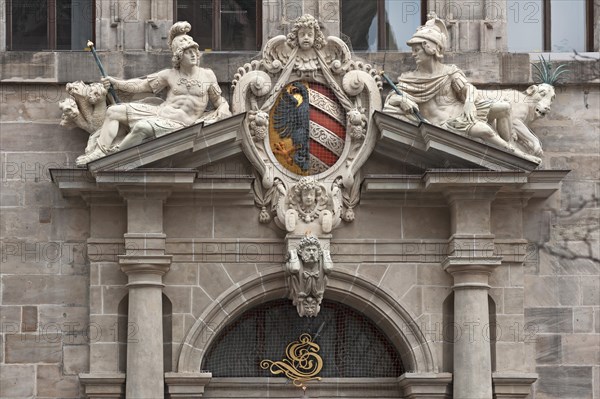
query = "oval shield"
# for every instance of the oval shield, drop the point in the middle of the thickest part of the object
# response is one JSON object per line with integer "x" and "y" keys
{"x": 307, "y": 129}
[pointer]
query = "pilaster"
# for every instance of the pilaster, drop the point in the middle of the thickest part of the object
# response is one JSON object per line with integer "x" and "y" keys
{"x": 470, "y": 261}
{"x": 145, "y": 263}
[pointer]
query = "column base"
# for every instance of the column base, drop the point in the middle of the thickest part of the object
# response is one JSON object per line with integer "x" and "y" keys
{"x": 186, "y": 385}
{"x": 513, "y": 385}
{"x": 426, "y": 385}
{"x": 103, "y": 385}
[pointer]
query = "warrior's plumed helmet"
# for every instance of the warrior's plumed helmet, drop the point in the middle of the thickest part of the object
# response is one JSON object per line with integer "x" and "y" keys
{"x": 434, "y": 31}
{"x": 179, "y": 40}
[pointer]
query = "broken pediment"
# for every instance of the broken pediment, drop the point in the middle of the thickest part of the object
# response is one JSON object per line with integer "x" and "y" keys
{"x": 426, "y": 146}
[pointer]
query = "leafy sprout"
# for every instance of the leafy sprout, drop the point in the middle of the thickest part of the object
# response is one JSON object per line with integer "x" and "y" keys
{"x": 544, "y": 72}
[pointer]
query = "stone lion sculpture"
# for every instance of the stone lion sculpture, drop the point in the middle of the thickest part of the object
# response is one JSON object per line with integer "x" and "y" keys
{"x": 528, "y": 106}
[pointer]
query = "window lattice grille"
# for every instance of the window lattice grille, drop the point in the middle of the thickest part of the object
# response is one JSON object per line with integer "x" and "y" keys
{"x": 352, "y": 345}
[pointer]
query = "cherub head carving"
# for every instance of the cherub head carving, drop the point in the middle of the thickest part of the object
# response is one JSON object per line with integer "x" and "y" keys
{"x": 306, "y": 34}
{"x": 307, "y": 193}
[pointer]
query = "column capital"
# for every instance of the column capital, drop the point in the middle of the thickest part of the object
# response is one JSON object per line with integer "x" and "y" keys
{"x": 471, "y": 272}
{"x": 145, "y": 270}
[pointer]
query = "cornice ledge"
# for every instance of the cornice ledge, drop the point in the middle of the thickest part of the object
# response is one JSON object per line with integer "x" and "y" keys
{"x": 146, "y": 177}
{"x": 544, "y": 183}
{"x": 448, "y": 178}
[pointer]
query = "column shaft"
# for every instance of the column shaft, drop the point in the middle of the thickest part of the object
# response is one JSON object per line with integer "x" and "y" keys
{"x": 472, "y": 357}
{"x": 144, "y": 344}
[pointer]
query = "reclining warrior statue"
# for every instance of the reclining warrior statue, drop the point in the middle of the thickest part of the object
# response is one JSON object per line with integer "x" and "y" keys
{"x": 444, "y": 97}
{"x": 189, "y": 88}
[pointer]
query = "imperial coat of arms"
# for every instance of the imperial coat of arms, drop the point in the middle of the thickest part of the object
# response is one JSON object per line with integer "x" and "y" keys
{"x": 309, "y": 106}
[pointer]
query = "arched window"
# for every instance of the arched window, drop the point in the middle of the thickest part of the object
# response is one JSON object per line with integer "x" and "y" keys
{"x": 223, "y": 24}
{"x": 351, "y": 345}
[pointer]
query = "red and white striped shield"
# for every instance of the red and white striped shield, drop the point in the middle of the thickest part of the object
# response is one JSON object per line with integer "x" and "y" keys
{"x": 326, "y": 131}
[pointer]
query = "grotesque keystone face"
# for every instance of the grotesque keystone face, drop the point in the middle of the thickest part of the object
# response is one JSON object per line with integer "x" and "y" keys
{"x": 306, "y": 38}
{"x": 310, "y": 306}
{"x": 310, "y": 254}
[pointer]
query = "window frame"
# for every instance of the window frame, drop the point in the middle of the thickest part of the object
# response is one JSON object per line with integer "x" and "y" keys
{"x": 51, "y": 33}
{"x": 382, "y": 42}
{"x": 589, "y": 25}
{"x": 216, "y": 23}
{"x": 547, "y": 27}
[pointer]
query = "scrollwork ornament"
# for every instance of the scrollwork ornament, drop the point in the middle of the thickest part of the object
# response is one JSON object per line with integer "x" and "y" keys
{"x": 301, "y": 364}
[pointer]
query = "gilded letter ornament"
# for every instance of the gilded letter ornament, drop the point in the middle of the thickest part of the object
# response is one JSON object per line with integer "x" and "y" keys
{"x": 301, "y": 363}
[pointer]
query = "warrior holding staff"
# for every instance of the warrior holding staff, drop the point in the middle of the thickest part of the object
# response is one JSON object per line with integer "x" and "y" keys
{"x": 189, "y": 88}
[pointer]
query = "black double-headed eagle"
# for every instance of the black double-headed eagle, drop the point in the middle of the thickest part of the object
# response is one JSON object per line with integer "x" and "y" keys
{"x": 292, "y": 119}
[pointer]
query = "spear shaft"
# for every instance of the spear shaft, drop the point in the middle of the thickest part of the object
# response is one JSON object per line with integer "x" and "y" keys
{"x": 111, "y": 89}
{"x": 401, "y": 94}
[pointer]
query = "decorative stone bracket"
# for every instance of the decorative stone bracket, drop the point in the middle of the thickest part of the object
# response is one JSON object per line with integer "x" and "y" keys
{"x": 307, "y": 266}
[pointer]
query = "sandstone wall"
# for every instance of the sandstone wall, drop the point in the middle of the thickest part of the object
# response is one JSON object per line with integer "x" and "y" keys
{"x": 60, "y": 294}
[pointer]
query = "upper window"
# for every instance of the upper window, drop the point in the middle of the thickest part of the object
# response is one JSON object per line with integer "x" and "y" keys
{"x": 549, "y": 25}
{"x": 223, "y": 24}
{"x": 34, "y": 25}
{"x": 373, "y": 25}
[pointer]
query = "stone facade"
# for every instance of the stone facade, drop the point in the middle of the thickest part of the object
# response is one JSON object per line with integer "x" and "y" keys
{"x": 70, "y": 254}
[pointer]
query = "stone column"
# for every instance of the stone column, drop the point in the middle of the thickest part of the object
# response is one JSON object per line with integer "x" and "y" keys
{"x": 145, "y": 263}
{"x": 470, "y": 262}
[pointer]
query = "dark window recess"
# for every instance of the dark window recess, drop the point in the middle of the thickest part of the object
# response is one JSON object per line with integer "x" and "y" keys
{"x": 35, "y": 25}
{"x": 223, "y": 24}
{"x": 352, "y": 346}
{"x": 380, "y": 24}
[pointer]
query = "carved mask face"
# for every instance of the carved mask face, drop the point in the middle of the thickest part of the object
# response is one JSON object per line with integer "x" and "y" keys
{"x": 310, "y": 306}
{"x": 306, "y": 38}
{"x": 310, "y": 254}
{"x": 308, "y": 197}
